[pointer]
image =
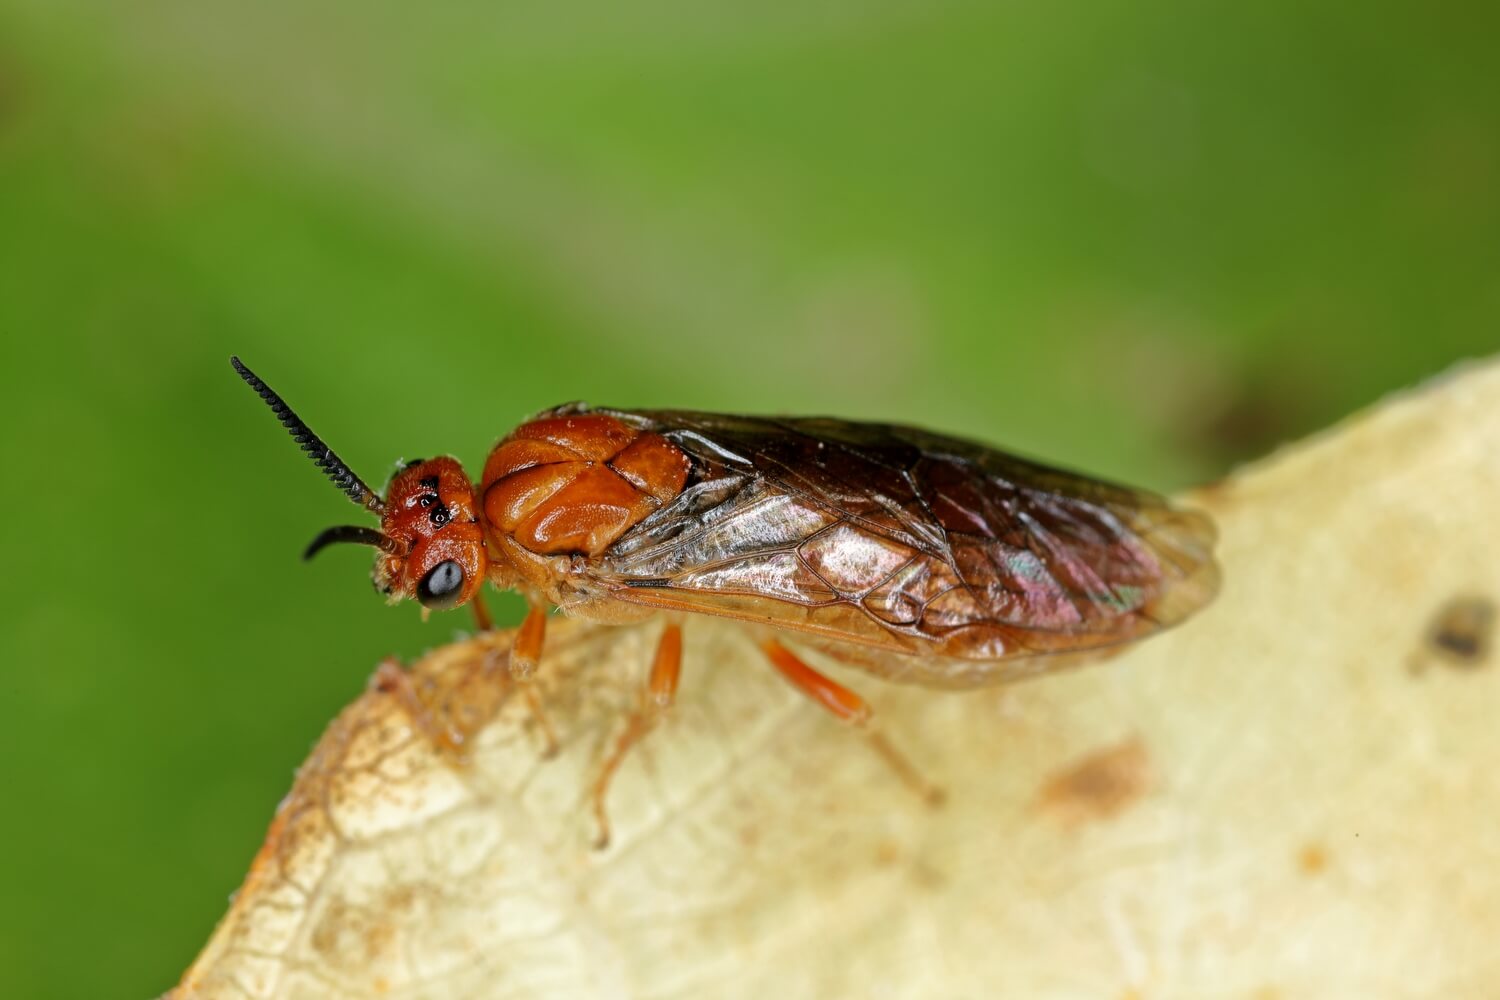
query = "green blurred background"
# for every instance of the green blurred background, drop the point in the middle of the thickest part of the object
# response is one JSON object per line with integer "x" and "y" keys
{"x": 1147, "y": 239}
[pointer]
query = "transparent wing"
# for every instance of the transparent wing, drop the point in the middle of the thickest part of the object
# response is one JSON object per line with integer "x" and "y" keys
{"x": 908, "y": 543}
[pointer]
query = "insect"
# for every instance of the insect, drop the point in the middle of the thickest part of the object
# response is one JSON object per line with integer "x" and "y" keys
{"x": 917, "y": 557}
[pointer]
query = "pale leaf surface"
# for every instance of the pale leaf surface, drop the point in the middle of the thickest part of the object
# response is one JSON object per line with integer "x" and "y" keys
{"x": 1294, "y": 795}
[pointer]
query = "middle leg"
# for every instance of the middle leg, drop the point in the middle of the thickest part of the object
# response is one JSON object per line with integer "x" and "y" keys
{"x": 661, "y": 689}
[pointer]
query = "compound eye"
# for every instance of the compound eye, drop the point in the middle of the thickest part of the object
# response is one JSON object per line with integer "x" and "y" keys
{"x": 442, "y": 586}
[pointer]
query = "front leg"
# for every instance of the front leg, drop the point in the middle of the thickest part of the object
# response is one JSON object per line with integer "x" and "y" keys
{"x": 525, "y": 650}
{"x": 482, "y": 621}
{"x": 392, "y": 679}
{"x": 530, "y": 637}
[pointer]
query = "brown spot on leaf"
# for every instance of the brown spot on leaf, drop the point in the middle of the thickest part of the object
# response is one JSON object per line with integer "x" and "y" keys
{"x": 344, "y": 931}
{"x": 1459, "y": 634}
{"x": 1312, "y": 859}
{"x": 1100, "y": 785}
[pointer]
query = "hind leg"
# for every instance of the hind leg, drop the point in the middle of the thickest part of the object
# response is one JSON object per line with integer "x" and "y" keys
{"x": 846, "y": 706}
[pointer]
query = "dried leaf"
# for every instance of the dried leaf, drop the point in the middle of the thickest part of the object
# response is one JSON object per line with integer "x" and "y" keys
{"x": 1294, "y": 795}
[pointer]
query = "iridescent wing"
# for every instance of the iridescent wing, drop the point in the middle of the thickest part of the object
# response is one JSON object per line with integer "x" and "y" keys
{"x": 915, "y": 555}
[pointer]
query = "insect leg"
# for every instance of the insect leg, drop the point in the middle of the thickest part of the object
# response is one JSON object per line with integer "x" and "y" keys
{"x": 528, "y": 645}
{"x": 848, "y": 707}
{"x": 661, "y": 689}
{"x": 524, "y": 651}
{"x": 549, "y": 735}
{"x": 843, "y": 703}
{"x": 393, "y": 680}
{"x": 482, "y": 620}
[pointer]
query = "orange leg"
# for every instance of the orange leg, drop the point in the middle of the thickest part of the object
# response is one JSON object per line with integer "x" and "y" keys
{"x": 528, "y": 645}
{"x": 843, "y": 703}
{"x": 661, "y": 689}
{"x": 391, "y": 678}
{"x": 482, "y": 620}
{"x": 848, "y": 707}
{"x": 549, "y": 735}
{"x": 524, "y": 652}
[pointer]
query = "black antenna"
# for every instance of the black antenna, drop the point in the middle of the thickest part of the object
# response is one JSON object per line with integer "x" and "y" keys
{"x": 323, "y": 457}
{"x": 350, "y": 533}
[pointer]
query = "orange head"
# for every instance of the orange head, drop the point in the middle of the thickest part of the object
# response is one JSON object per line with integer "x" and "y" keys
{"x": 430, "y": 540}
